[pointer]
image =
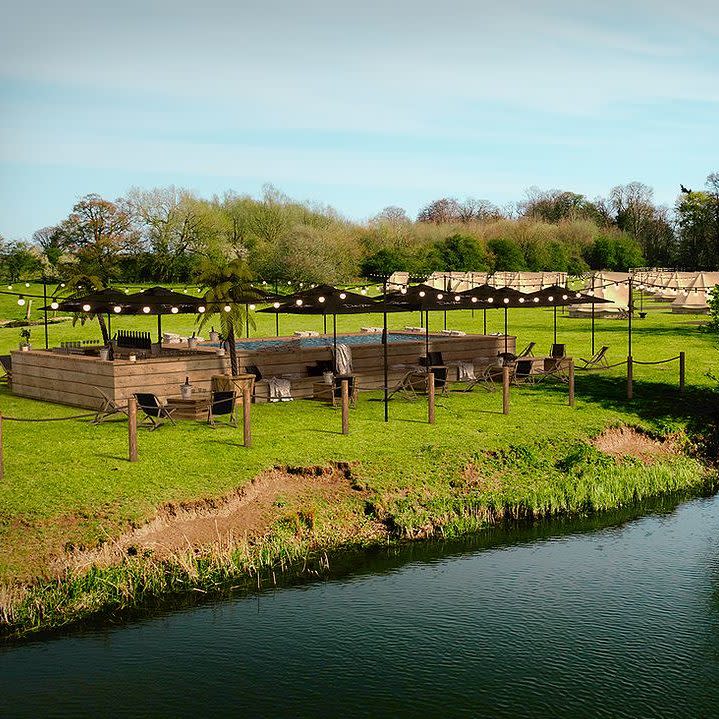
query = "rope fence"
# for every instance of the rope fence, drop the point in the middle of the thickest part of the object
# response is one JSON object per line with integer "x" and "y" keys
{"x": 431, "y": 394}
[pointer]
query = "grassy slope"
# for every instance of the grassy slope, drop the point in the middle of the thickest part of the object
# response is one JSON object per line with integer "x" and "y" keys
{"x": 69, "y": 481}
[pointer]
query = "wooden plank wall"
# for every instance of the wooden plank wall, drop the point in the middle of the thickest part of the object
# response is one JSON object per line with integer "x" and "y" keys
{"x": 72, "y": 379}
{"x": 367, "y": 360}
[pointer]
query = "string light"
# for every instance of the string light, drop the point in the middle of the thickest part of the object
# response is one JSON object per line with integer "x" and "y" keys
{"x": 521, "y": 300}
{"x": 490, "y": 299}
{"x": 276, "y": 305}
{"x": 506, "y": 300}
{"x": 343, "y": 296}
{"x": 201, "y": 309}
{"x": 227, "y": 308}
{"x": 27, "y": 284}
{"x": 117, "y": 309}
{"x": 536, "y": 299}
{"x": 440, "y": 296}
{"x": 363, "y": 291}
{"x": 421, "y": 293}
{"x": 298, "y": 303}
{"x": 54, "y": 305}
{"x": 550, "y": 298}
{"x": 174, "y": 310}
{"x": 146, "y": 310}
{"x": 321, "y": 299}
{"x": 474, "y": 299}
{"x": 21, "y": 300}
{"x": 86, "y": 308}
{"x": 252, "y": 307}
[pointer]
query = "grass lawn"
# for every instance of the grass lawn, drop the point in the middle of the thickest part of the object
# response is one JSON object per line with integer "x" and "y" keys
{"x": 68, "y": 483}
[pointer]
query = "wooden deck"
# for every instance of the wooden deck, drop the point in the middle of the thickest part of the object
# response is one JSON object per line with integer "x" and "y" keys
{"x": 72, "y": 379}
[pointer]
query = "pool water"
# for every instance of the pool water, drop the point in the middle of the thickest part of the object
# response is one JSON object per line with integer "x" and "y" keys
{"x": 324, "y": 341}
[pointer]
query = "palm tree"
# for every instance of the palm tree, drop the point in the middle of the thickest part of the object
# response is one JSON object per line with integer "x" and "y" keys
{"x": 80, "y": 284}
{"x": 229, "y": 292}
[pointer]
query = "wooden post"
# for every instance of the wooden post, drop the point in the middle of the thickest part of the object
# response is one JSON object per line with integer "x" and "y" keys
{"x": 430, "y": 397}
{"x": 132, "y": 427}
{"x": 682, "y": 370}
{"x": 571, "y": 383}
{"x": 246, "y": 425}
{"x": 505, "y": 390}
{"x": 2, "y": 467}
{"x": 630, "y": 378}
{"x": 345, "y": 407}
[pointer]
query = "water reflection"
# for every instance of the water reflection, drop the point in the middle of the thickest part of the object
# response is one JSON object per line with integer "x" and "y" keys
{"x": 613, "y": 616}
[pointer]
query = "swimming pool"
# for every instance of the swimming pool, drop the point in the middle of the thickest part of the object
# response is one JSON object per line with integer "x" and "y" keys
{"x": 324, "y": 341}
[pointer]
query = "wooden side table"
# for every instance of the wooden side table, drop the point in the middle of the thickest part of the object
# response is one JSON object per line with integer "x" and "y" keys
{"x": 194, "y": 408}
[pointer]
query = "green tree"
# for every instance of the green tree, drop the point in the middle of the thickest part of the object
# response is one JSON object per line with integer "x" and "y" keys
{"x": 508, "y": 256}
{"x": 96, "y": 232}
{"x": 79, "y": 284}
{"x": 460, "y": 253}
{"x": 229, "y": 291}
{"x": 384, "y": 262}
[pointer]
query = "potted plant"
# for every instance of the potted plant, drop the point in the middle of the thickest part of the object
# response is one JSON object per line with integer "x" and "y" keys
{"x": 25, "y": 339}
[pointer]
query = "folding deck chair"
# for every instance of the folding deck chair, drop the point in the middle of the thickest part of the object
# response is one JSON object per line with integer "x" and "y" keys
{"x": 528, "y": 351}
{"x": 108, "y": 408}
{"x": 597, "y": 360}
{"x": 6, "y": 366}
{"x": 222, "y": 403}
{"x": 155, "y": 412}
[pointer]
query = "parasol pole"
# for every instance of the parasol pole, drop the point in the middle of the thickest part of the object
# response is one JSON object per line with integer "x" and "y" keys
{"x": 384, "y": 352}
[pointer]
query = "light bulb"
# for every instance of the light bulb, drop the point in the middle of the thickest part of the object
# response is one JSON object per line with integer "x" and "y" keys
{"x": 439, "y": 295}
{"x": 536, "y": 299}
{"x": 86, "y": 308}
{"x": 54, "y": 305}
{"x": 550, "y": 298}
{"x": 27, "y": 284}
{"x": 227, "y": 308}
{"x": 117, "y": 309}
{"x": 564, "y": 297}
{"x": 506, "y": 300}
{"x": 457, "y": 298}
{"x": 62, "y": 284}
{"x": 521, "y": 300}
{"x": 403, "y": 291}
{"x": 174, "y": 310}
{"x": 490, "y": 299}
{"x": 146, "y": 310}
{"x": 298, "y": 303}
{"x": 21, "y": 300}
{"x": 363, "y": 291}
{"x": 343, "y": 296}
{"x": 252, "y": 307}
{"x": 276, "y": 305}
{"x": 474, "y": 299}
{"x": 421, "y": 294}
{"x": 200, "y": 309}
{"x": 321, "y": 299}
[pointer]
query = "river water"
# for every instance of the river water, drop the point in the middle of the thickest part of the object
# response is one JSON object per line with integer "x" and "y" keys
{"x": 572, "y": 619}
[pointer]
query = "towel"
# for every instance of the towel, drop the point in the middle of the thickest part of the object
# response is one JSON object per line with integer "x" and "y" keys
{"x": 343, "y": 359}
{"x": 465, "y": 371}
{"x": 279, "y": 389}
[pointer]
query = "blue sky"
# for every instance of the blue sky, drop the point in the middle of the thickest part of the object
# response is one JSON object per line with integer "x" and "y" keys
{"x": 358, "y": 105}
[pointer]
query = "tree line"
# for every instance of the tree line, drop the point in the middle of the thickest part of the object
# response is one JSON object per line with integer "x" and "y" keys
{"x": 166, "y": 234}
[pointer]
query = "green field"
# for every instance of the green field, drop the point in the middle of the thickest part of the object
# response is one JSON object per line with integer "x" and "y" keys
{"x": 68, "y": 483}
